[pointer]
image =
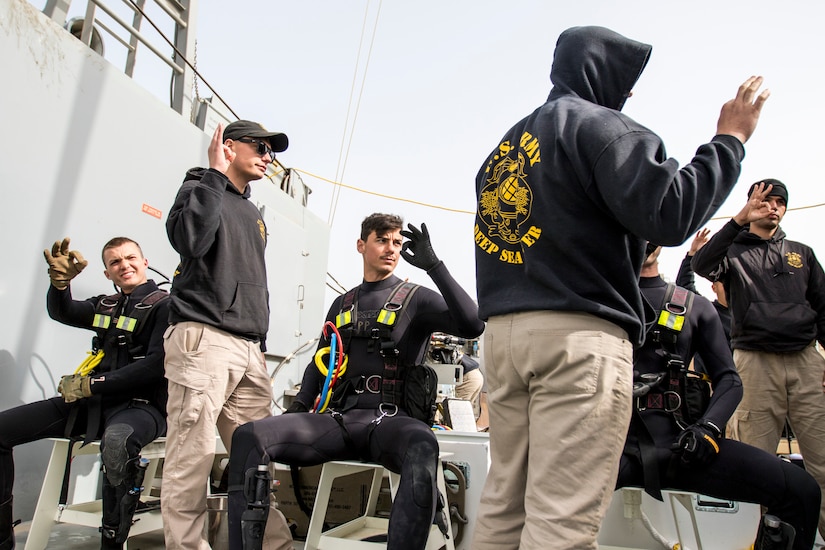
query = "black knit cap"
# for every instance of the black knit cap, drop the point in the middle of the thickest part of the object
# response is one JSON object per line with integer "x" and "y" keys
{"x": 246, "y": 128}
{"x": 778, "y": 189}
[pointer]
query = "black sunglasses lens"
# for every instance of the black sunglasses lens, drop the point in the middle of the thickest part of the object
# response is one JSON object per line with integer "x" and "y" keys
{"x": 264, "y": 149}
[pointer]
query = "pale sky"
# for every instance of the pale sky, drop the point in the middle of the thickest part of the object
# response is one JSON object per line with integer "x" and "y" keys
{"x": 446, "y": 78}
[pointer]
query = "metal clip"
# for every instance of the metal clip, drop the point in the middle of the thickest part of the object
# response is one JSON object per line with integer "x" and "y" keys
{"x": 381, "y": 409}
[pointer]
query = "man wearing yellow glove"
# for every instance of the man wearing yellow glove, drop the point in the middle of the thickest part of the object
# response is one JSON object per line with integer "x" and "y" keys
{"x": 121, "y": 401}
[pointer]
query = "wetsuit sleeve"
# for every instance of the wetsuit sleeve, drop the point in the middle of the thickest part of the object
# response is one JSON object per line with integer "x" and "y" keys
{"x": 713, "y": 347}
{"x": 145, "y": 371}
{"x": 710, "y": 257}
{"x": 657, "y": 200}
{"x": 63, "y": 309}
{"x": 457, "y": 314}
{"x": 195, "y": 216}
{"x": 685, "y": 278}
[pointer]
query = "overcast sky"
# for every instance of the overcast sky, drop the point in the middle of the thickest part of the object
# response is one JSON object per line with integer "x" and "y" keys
{"x": 444, "y": 79}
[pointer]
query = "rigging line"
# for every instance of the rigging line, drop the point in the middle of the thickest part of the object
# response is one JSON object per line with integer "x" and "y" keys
{"x": 335, "y": 280}
{"x": 339, "y": 291}
{"x": 806, "y": 207}
{"x": 182, "y": 56}
{"x": 358, "y": 105}
{"x": 349, "y": 110}
{"x": 460, "y": 211}
{"x": 383, "y": 195}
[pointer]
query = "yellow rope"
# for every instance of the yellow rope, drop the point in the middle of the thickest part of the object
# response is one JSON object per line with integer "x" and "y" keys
{"x": 458, "y": 210}
{"x": 411, "y": 201}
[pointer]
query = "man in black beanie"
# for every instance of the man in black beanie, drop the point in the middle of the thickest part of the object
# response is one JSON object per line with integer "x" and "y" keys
{"x": 776, "y": 293}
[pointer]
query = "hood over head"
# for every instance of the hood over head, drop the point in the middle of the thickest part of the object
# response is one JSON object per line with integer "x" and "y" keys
{"x": 598, "y": 65}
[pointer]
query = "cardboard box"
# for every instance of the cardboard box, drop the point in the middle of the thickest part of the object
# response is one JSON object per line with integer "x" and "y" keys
{"x": 348, "y": 497}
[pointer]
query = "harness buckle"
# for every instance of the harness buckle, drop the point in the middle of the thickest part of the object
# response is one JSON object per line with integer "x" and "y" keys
{"x": 675, "y": 309}
{"x": 372, "y": 384}
{"x": 384, "y": 409}
{"x": 670, "y": 398}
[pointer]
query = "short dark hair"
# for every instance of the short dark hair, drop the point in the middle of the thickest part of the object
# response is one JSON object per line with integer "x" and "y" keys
{"x": 116, "y": 242}
{"x": 381, "y": 224}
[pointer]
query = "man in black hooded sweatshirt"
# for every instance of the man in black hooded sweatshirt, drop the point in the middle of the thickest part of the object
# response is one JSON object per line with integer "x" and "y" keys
{"x": 566, "y": 202}
{"x": 776, "y": 291}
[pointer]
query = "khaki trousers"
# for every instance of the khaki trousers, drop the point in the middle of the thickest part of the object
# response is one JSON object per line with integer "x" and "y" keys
{"x": 470, "y": 388}
{"x": 778, "y": 386}
{"x": 559, "y": 391}
{"x": 215, "y": 379}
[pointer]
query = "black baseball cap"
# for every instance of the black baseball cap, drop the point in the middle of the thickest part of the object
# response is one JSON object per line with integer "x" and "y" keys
{"x": 246, "y": 128}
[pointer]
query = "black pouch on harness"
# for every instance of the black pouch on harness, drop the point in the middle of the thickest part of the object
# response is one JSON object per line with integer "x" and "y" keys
{"x": 697, "y": 396}
{"x": 420, "y": 392}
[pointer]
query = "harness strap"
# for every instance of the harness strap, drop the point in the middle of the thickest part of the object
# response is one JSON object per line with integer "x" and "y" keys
{"x": 391, "y": 390}
{"x": 649, "y": 458}
{"x": 380, "y": 336}
{"x": 64, "y": 487}
{"x": 676, "y": 306}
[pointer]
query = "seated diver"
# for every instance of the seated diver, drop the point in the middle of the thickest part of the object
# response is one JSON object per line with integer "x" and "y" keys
{"x": 667, "y": 448}
{"x": 447, "y": 349}
{"x": 121, "y": 400}
{"x": 384, "y": 325}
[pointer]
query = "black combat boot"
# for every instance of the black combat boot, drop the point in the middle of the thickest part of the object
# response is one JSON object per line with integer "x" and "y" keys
{"x": 6, "y": 526}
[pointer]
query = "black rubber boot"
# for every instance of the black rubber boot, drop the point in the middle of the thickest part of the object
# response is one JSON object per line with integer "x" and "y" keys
{"x": 6, "y": 526}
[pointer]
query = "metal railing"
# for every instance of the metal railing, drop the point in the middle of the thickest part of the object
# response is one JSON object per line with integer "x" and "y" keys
{"x": 132, "y": 35}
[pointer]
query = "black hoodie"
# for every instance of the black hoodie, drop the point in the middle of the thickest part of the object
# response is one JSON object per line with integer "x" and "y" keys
{"x": 571, "y": 194}
{"x": 775, "y": 288}
{"x": 221, "y": 237}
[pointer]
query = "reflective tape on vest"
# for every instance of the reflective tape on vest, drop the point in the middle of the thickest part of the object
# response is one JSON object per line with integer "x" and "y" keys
{"x": 343, "y": 319}
{"x": 126, "y": 323}
{"x": 386, "y": 317}
{"x": 671, "y": 320}
{"x": 101, "y": 321}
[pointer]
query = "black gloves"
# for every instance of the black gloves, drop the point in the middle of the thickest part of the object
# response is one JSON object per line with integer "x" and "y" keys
{"x": 297, "y": 407}
{"x": 698, "y": 444}
{"x": 422, "y": 255}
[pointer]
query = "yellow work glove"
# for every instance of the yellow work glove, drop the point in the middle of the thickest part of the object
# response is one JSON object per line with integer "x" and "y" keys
{"x": 74, "y": 387}
{"x": 64, "y": 264}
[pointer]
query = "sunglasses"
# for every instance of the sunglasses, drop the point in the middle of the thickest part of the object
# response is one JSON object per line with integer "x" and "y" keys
{"x": 262, "y": 148}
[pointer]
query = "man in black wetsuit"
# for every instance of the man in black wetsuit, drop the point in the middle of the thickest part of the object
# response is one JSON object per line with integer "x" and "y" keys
{"x": 122, "y": 401}
{"x": 664, "y": 450}
{"x": 360, "y": 423}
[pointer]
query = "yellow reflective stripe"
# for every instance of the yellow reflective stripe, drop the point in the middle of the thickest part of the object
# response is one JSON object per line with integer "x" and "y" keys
{"x": 126, "y": 323}
{"x": 386, "y": 317}
{"x": 671, "y": 320}
{"x": 344, "y": 318}
{"x": 101, "y": 321}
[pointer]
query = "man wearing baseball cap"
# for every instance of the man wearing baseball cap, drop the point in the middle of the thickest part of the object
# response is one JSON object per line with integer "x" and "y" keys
{"x": 219, "y": 318}
{"x": 776, "y": 292}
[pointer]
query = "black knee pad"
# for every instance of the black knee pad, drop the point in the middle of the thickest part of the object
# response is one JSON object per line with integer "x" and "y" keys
{"x": 243, "y": 440}
{"x": 115, "y": 454}
{"x": 422, "y": 456}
